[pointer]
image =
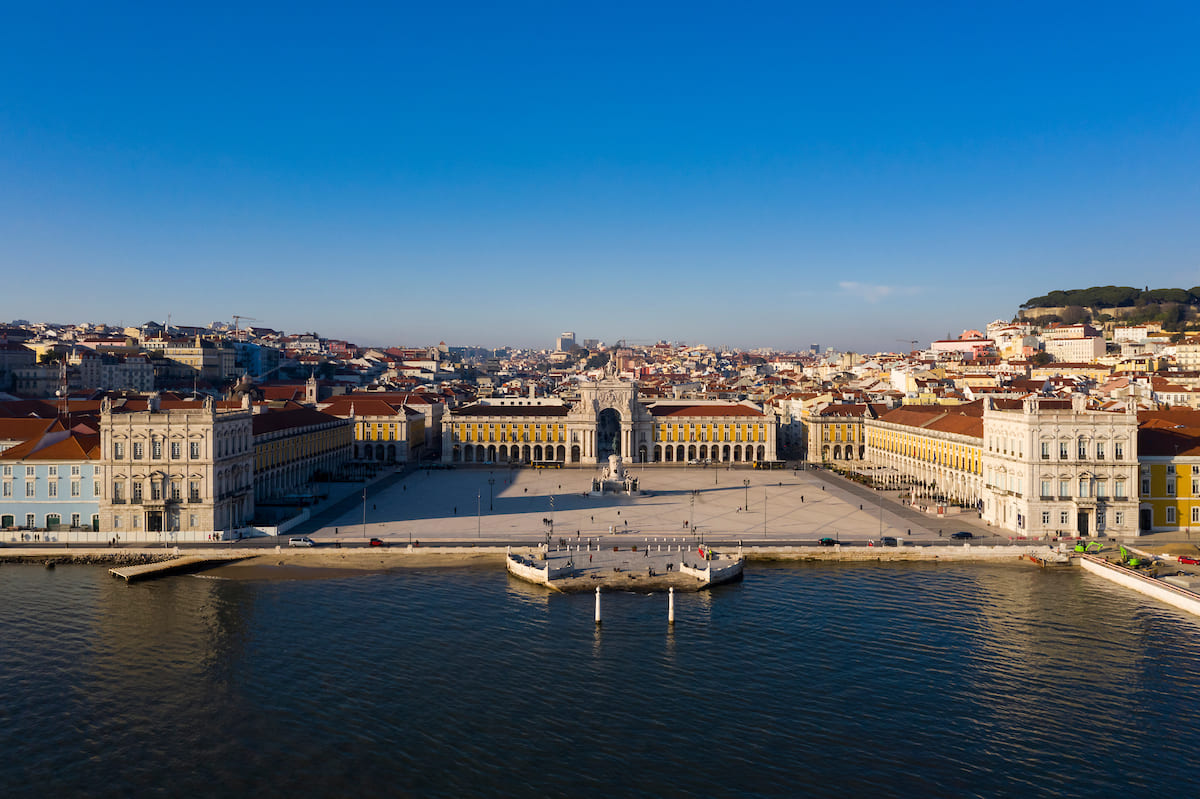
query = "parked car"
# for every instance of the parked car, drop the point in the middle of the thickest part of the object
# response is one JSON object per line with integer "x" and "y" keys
{"x": 376, "y": 542}
{"x": 1188, "y": 560}
{"x": 827, "y": 542}
{"x": 301, "y": 541}
{"x": 888, "y": 541}
{"x": 963, "y": 535}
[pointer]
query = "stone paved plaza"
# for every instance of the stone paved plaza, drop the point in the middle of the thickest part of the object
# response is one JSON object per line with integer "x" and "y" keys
{"x": 677, "y": 502}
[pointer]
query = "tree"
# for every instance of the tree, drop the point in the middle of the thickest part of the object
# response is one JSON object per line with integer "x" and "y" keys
{"x": 1041, "y": 358}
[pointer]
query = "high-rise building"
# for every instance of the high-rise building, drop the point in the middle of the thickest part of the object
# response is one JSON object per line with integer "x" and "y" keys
{"x": 565, "y": 341}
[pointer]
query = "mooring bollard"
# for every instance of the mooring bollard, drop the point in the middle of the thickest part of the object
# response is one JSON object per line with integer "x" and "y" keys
{"x": 597, "y": 604}
{"x": 670, "y": 605}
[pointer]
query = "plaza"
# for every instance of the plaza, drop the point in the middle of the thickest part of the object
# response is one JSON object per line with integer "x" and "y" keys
{"x": 492, "y": 506}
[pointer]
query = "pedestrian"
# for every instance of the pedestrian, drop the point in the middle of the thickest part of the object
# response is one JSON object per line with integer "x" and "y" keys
{"x": 802, "y": 498}
{"x": 860, "y": 507}
{"x": 589, "y": 558}
{"x": 373, "y": 507}
{"x": 455, "y": 510}
{"x": 593, "y": 518}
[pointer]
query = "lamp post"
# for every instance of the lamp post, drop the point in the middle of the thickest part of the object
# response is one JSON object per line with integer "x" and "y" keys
{"x": 478, "y": 514}
{"x": 692, "y": 511}
{"x": 764, "y": 513}
{"x": 491, "y": 482}
{"x": 364, "y": 508}
{"x": 746, "y": 483}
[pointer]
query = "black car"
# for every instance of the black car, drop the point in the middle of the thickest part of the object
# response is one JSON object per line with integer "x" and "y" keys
{"x": 963, "y": 535}
{"x": 828, "y": 542}
{"x": 887, "y": 541}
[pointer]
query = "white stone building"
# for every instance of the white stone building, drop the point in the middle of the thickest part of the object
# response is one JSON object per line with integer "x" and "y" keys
{"x": 178, "y": 473}
{"x": 1057, "y": 467}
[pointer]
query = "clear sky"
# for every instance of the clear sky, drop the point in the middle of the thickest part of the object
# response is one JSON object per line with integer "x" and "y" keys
{"x": 746, "y": 174}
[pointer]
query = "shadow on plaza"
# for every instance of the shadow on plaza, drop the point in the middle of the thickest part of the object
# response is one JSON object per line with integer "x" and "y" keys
{"x": 413, "y": 502}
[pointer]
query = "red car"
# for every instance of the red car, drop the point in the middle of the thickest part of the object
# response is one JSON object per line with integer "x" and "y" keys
{"x": 376, "y": 542}
{"x": 1189, "y": 561}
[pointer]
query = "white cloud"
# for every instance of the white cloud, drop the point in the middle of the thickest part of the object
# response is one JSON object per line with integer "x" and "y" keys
{"x": 874, "y": 293}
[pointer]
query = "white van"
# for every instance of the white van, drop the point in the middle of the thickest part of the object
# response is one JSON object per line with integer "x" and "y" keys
{"x": 302, "y": 541}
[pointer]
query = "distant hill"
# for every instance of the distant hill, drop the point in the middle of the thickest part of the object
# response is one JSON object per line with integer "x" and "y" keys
{"x": 1171, "y": 307}
{"x": 1114, "y": 297}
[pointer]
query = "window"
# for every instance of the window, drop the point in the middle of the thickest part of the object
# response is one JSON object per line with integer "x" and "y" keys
{"x": 175, "y": 490}
{"x": 1195, "y": 515}
{"x": 7, "y": 491}
{"x": 75, "y": 471}
{"x": 74, "y": 519}
{"x": 1170, "y": 515}
{"x": 1099, "y": 450}
{"x": 95, "y": 488}
{"x": 74, "y": 488}
{"x": 29, "y": 489}
{"x": 118, "y": 450}
{"x": 155, "y": 490}
{"x": 118, "y": 492}
{"x": 1100, "y": 520}
{"x": 116, "y": 522}
{"x": 1118, "y": 451}
{"x": 194, "y": 449}
{"x": 1045, "y": 517}
{"x": 1046, "y": 488}
{"x": 1118, "y": 518}
{"x": 1170, "y": 468}
{"x": 52, "y": 471}
{"x": 1145, "y": 486}
{"x": 30, "y": 471}
{"x": 194, "y": 491}
{"x": 156, "y": 449}
{"x": 192, "y": 520}
{"x": 1045, "y": 450}
{"x": 52, "y": 489}
{"x": 137, "y": 490}
{"x": 1062, "y": 450}
{"x": 1119, "y": 489}
{"x": 1084, "y": 486}
{"x": 1082, "y": 449}
{"x": 1062, "y": 517}
{"x": 1064, "y": 488}
{"x": 138, "y": 450}
{"x": 1171, "y": 487}
{"x": 30, "y": 520}
{"x": 176, "y": 450}
{"x": 1101, "y": 489}
{"x": 7, "y": 470}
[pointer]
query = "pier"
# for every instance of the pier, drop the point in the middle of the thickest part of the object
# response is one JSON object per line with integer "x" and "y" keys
{"x": 649, "y": 566}
{"x": 190, "y": 563}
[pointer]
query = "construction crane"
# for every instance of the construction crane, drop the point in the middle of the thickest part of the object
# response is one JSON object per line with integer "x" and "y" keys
{"x": 237, "y": 318}
{"x": 912, "y": 342}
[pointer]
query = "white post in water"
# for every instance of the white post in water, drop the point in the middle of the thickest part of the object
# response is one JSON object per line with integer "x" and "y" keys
{"x": 597, "y": 604}
{"x": 670, "y": 605}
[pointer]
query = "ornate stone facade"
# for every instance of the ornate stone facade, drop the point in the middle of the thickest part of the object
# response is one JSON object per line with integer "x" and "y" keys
{"x": 608, "y": 419}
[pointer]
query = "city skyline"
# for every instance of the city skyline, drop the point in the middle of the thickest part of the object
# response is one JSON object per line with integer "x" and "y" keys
{"x": 495, "y": 176}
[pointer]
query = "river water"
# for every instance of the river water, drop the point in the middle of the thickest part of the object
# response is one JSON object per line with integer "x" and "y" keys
{"x": 816, "y": 680}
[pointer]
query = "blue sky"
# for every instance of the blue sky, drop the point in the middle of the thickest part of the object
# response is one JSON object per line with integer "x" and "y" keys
{"x": 740, "y": 174}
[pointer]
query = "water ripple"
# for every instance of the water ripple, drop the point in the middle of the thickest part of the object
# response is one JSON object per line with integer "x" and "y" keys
{"x": 816, "y": 680}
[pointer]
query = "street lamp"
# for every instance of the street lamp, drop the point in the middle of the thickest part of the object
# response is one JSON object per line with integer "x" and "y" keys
{"x": 746, "y": 483}
{"x": 764, "y": 513}
{"x": 491, "y": 482}
{"x": 478, "y": 513}
{"x": 364, "y": 508}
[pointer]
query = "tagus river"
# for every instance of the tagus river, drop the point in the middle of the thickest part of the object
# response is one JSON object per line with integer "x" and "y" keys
{"x": 820, "y": 680}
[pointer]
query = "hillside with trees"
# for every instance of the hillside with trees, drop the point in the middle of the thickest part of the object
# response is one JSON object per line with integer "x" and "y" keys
{"x": 1170, "y": 307}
